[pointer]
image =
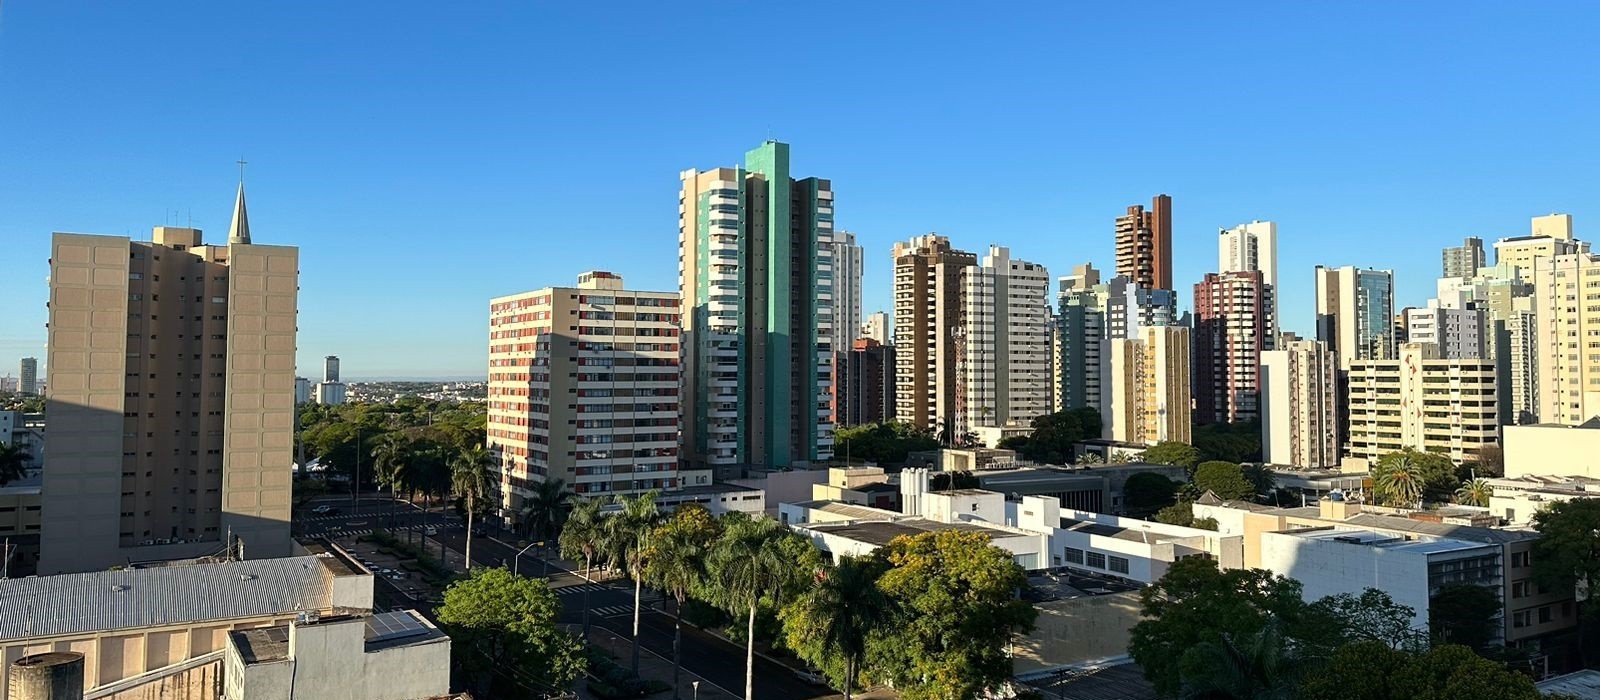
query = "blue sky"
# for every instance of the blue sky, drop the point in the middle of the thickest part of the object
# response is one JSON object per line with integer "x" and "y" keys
{"x": 425, "y": 160}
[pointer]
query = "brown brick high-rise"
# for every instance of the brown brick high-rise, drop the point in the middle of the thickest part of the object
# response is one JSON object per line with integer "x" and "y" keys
{"x": 1144, "y": 244}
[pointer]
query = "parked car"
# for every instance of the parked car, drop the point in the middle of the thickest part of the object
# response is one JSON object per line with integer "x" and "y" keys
{"x": 431, "y": 531}
{"x": 810, "y": 676}
{"x": 324, "y": 510}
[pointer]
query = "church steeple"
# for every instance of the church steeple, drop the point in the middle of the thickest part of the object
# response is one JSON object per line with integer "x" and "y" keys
{"x": 239, "y": 230}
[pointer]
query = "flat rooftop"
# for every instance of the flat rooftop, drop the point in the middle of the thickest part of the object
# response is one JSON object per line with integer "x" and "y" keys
{"x": 848, "y": 510}
{"x": 382, "y": 631}
{"x": 882, "y": 532}
{"x": 1386, "y": 541}
{"x": 1578, "y": 684}
{"x": 44, "y": 606}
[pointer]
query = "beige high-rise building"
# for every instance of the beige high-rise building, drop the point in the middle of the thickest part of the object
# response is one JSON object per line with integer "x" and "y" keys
{"x": 1567, "y": 337}
{"x": 1150, "y": 394}
{"x": 927, "y": 320}
{"x": 583, "y": 387}
{"x": 1355, "y": 312}
{"x": 1421, "y": 401}
{"x": 1553, "y": 226}
{"x": 171, "y": 397}
{"x": 1004, "y": 367}
{"x": 1548, "y": 236}
{"x": 1299, "y": 413}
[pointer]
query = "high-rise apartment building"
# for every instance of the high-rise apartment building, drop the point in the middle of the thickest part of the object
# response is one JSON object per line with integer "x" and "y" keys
{"x": 171, "y": 397}
{"x": 28, "y": 377}
{"x": 1091, "y": 313}
{"x": 1463, "y": 261}
{"x": 1355, "y": 312}
{"x": 927, "y": 328}
{"x": 1003, "y": 361}
{"x": 1149, "y": 384}
{"x": 1548, "y": 236}
{"x": 1458, "y": 333}
{"x": 302, "y": 390}
{"x": 583, "y": 387}
{"x": 756, "y": 275}
{"x": 877, "y": 328}
{"x": 1144, "y": 244}
{"x": 1233, "y": 325}
{"x": 869, "y": 383}
{"x": 1252, "y": 246}
{"x": 1299, "y": 413}
{"x": 1505, "y": 298}
{"x": 847, "y": 270}
{"x": 1567, "y": 342}
{"x": 1421, "y": 401}
{"x": 330, "y": 368}
{"x": 330, "y": 391}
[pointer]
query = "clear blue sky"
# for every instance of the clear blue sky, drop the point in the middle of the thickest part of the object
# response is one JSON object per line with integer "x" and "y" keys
{"x": 426, "y": 157}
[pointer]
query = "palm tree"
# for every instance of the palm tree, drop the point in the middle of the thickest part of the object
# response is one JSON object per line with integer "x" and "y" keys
{"x": 838, "y": 614}
{"x": 1475, "y": 492}
{"x": 1400, "y": 482}
{"x": 469, "y": 475}
{"x": 747, "y": 567}
{"x": 584, "y": 538}
{"x": 13, "y": 463}
{"x": 389, "y": 462}
{"x": 675, "y": 562}
{"x": 1257, "y": 667}
{"x": 626, "y": 535}
{"x": 544, "y": 512}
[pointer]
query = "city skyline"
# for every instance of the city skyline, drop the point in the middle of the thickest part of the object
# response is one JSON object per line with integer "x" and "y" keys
{"x": 1349, "y": 155}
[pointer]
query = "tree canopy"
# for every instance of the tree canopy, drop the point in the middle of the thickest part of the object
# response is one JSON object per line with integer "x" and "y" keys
{"x": 1225, "y": 479}
{"x": 497, "y": 621}
{"x": 1173, "y": 453}
{"x": 884, "y": 443}
{"x": 1147, "y": 492}
{"x": 1055, "y": 434}
{"x": 1373, "y": 671}
{"x": 1409, "y": 477}
{"x": 955, "y": 598}
{"x": 1567, "y": 552}
{"x": 1228, "y": 442}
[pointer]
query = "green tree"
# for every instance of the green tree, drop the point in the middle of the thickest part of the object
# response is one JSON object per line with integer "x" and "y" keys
{"x": 1257, "y": 666}
{"x": 1409, "y": 478}
{"x": 1228, "y": 442}
{"x": 1055, "y": 434}
{"x": 469, "y": 476}
{"x": 1172, "y": 453}
{"x": 497, "y": 621}
{"x": 1147, "y": 492}
{"x": 1372, "y": 616}
{"x": 13, "y": 463}
{"x": 1225, "y": 479}
{"x": 1491, "y": 461}
{"x": 833, "y": 620}
{"x": 583, "y": 538}
{"x": 545, "y": 511}
{"x": 1195, "y": 603}
{"x": 675, "y": 562}
{"x": 747, "y": 567}
{"x": 884, "y": 443}
{"x": 627, "y": 535}
{"x": 1474, "y": 492}
{"x": 1373, "y": 671}
{"x": 389, "y": 457}
{"x": 956, "y": 595}
{"x": 1464, "y": 614}
{"x": 1567, "y": 554}
{"x": 1260, "y": 477}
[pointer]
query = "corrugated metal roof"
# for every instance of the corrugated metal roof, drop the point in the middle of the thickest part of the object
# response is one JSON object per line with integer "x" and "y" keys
{"x": 43, "y": 606}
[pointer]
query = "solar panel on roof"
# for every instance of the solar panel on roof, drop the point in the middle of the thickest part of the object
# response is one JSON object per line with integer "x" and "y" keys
{"x": 393, "y": 625}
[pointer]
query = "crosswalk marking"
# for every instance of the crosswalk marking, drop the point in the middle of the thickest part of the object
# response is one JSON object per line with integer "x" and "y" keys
{"x": 590, "y": 587}
{"x": 614, "y": 610}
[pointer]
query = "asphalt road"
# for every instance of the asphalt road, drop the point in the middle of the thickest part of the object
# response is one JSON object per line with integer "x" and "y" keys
{"x": 610, "y": 606}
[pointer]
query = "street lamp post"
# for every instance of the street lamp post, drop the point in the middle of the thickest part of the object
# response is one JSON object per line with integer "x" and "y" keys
{"x": 516, "y": 565}
{"x": 696, "y": 685}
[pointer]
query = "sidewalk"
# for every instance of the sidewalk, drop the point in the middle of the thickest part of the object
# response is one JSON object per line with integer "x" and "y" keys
{"x": 653, "y": 667}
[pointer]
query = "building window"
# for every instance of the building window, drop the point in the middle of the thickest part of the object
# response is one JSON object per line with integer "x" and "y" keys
{"x": 1074, "y": 556}
{"x": 1095, "y": 559}
{"x": 1521, "y": 560}
{"x": 1520, "y": 619}
{"x": 1546, "y": 614}
{"x": 1119, "y": 565}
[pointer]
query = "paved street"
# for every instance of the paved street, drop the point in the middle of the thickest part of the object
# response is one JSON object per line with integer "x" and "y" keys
{"x": 716, "y": 660}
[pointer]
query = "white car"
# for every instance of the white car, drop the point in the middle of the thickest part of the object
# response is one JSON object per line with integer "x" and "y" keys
{"x": 431, "y": 531}
{"x": 811, "y": 677}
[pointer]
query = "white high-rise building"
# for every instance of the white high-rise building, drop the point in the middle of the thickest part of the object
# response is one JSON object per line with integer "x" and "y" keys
{"x": 1005, "y": 371}
{"x": 1299, "y": 416}
{"x": 1252, "y": 247}
{"x": 846, "y": 290}
{"x": 1458, "y": 333}
{"x": 877, "y": 328}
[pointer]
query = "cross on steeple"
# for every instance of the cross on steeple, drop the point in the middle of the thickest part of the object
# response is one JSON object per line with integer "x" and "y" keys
{"x": 241, "y": 163}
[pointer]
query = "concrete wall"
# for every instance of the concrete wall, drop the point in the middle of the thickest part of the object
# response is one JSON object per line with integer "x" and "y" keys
{"x": 1077, "y": 631}
{"x": 1328, "y": 567}
{"x": 201, "y": 681}
{"x": 406, "y": 673}
{"x": 1551, "y": 450}
{"x": 784, "y": 487}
